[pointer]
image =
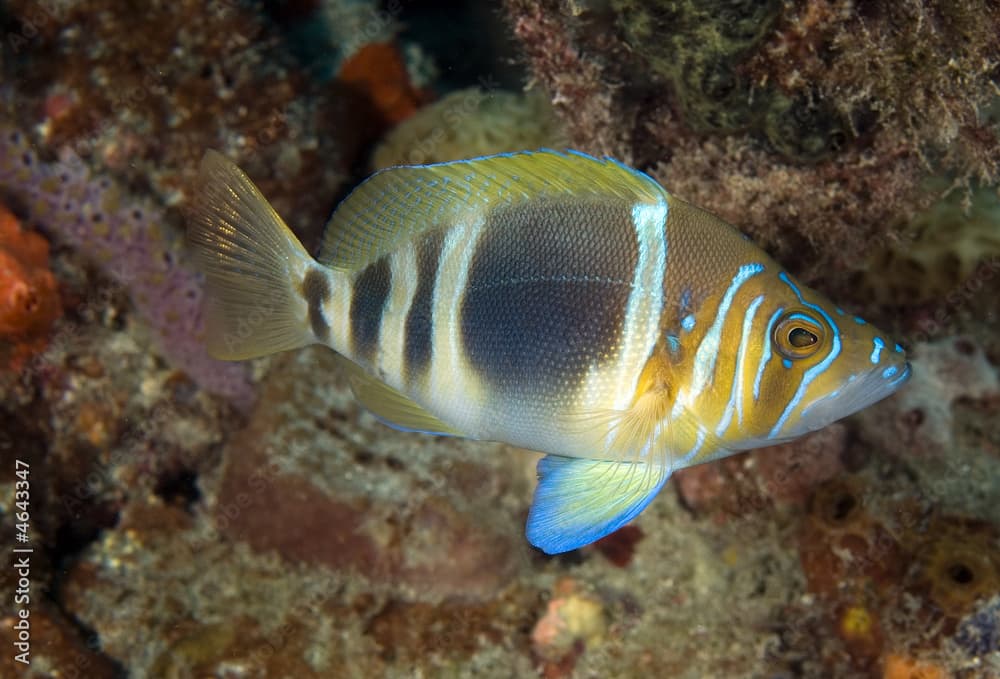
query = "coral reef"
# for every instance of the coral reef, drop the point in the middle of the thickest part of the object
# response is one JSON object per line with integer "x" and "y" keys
{"x": 101, "y": 422}
{"x": 619, "y": 547}
{"x": 413, "y": 546}
{"x": 130, "y": 241}
{"x": 29, "y": 298}
{"x": 378, "y": 69}
{"x": 940, "y": 428}
{"x": 380, "y": 521}
{"x": 63, "y": 653}
{"x": 899, "y": 576}
{"x": 791, "y": 120}
{"x": 470, "y": 123}
{"x": 924, "y": 68}
{"x": 949, "y": 370}
{"x": 326, "y": 34}
{"x": 591, "y": 104}
{"x": 822, "y": 130}
{"x": 943, "y": 247}
{"x": 128, "y": 149}
{"x": 786, "y": 475}
{"x": 403, "y": 535}
{"x": 176, "y": 537}
{"x": 139, "y": 96}
{"x": 698, "y": 48}
{"x": 901, "y": 667}
{"x": 572, "y": 621}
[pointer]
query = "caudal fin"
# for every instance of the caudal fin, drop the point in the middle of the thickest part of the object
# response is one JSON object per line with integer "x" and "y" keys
{"x": 253, "y": 263}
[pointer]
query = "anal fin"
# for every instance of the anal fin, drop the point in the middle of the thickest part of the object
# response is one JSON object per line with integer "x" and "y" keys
{"x": 581, "y": 500}
{"x": 392, "y": 407}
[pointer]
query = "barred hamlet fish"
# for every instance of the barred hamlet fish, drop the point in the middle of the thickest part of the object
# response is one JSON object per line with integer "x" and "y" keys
{"x": 554, "y": 301}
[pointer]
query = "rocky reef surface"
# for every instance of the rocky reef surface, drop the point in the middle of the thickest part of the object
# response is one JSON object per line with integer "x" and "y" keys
{"x": 193, "y": 518}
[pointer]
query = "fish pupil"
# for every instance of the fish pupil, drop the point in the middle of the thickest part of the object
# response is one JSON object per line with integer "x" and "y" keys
{"x": 800, "y": 337}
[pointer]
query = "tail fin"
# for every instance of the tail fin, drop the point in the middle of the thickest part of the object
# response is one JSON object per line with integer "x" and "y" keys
{"x": 253, "y": 263}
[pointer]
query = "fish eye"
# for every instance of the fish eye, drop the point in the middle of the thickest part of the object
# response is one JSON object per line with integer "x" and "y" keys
{"x": 797, "y": 335}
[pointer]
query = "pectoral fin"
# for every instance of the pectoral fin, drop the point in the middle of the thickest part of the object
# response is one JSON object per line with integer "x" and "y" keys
{"x": 580, "y": 500}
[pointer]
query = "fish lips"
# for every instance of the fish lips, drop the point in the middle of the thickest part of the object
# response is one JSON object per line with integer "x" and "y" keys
{"x": 858, "y": 392}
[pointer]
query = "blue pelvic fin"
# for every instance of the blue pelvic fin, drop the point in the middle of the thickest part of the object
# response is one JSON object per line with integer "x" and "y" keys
{"x": 580, "y": 500}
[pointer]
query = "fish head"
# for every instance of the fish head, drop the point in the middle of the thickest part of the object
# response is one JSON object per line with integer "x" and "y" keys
{"x": 818, "y": 364}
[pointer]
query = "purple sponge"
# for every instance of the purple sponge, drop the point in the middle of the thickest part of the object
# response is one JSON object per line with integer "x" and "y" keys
{"x": 129, "y": 239}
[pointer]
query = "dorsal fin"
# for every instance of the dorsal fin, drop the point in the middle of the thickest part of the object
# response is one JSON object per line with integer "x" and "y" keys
{"x": 394, "y": 205}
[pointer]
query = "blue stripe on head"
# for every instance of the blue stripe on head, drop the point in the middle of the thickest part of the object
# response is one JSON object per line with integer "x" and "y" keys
{"x": 736, "y": 391}
{"x": 898, "y": 349}
{"x": 687, "y": 323}
{"x": 817, "y": 369}
{"x": 859, "y": 320}
{"x": 708, "y": 350}
{"x": 879, "y": 345}
{"x": 767, "y": 353}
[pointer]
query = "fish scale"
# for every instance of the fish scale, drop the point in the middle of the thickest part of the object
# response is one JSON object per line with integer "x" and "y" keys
{"x": 553, "y": 301}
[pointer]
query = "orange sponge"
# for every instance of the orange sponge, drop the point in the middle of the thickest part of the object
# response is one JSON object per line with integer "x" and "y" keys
{"x": 379, "y": 70}
{"x": 29, "y": 297}
{"x": 902, "y": 667}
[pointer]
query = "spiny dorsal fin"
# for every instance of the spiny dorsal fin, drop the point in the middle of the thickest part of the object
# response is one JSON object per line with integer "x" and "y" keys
{"x": 396, "y": 204}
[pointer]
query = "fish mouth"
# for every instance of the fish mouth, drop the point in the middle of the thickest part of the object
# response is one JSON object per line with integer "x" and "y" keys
{"x": 859, "y": 392}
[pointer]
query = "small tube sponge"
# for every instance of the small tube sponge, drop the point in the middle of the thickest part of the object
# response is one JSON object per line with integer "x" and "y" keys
{"x": 128, "y": 240}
